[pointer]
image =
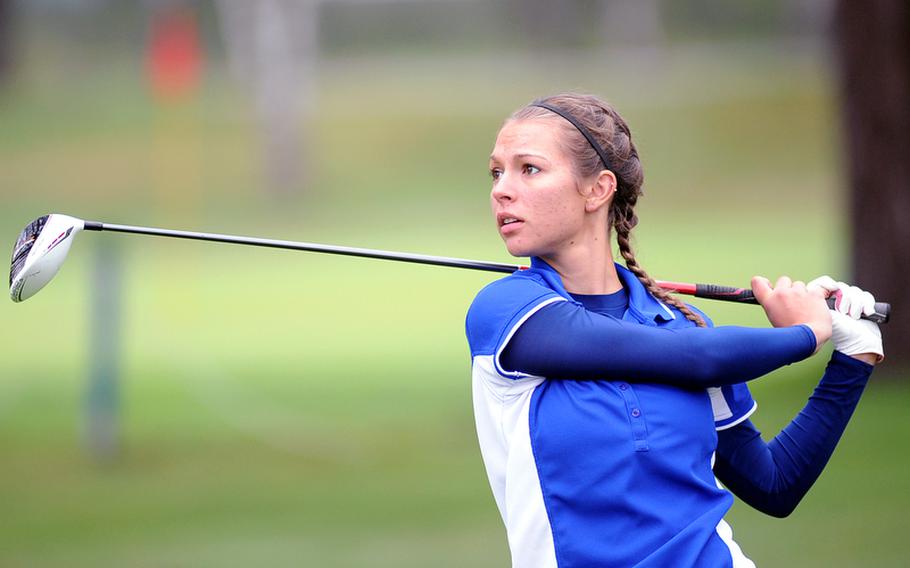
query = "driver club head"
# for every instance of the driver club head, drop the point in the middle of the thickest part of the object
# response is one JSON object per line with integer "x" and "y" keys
{"x": 41, "y": 248}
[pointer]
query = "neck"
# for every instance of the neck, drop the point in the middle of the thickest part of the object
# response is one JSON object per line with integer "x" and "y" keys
{"x": 586, "y": 266}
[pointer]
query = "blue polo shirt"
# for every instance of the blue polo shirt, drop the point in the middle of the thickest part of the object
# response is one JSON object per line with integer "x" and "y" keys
{"x": 605, "y": 472}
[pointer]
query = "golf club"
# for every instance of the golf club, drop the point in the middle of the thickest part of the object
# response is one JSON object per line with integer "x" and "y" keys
{"x": 44, "y": 243}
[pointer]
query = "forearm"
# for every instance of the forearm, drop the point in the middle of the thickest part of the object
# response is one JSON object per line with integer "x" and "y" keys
{"x": 773, "y": 477}
{"x": 563, "y": 341}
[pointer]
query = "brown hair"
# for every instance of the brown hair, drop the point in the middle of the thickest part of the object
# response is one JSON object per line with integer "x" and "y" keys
{"x": 612, "y": 133}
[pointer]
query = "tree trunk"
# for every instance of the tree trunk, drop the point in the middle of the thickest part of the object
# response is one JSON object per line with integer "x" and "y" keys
{"x": 873, "y": 47}
{"x": 6, "y": 42}
{"x": 272, "y": 47}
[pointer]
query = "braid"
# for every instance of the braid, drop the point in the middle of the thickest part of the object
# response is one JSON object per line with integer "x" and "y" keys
{"x": 624, "y": 219}
{"x": 623, "y": 225}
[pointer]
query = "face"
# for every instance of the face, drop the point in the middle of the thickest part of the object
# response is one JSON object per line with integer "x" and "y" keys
{"x": 536, "y": 201}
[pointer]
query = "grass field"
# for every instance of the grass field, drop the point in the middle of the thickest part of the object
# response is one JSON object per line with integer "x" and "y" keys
{"x": 290, "y": 409}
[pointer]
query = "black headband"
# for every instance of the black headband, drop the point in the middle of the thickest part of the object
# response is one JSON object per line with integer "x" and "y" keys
{"x": 580, "y": 128}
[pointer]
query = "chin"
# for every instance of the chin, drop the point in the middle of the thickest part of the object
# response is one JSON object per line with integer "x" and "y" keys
{"x": 519, "y": 249}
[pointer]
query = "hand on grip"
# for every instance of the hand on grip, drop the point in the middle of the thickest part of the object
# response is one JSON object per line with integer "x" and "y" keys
{"x": 793, "y": 303}
{"x": 850, "y": 334}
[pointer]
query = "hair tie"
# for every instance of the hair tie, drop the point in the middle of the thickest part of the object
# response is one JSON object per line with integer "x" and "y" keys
{"x": 580, "y": 128}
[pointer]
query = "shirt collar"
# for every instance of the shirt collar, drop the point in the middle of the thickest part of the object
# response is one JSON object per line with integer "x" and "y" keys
{"x": 641, "y": 302}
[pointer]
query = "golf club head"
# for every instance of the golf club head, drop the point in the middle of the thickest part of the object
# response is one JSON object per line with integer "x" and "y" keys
{"x": 40, "y": 250}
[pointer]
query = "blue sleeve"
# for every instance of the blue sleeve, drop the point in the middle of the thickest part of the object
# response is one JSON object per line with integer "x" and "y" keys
{"x": 566, "y": 341}
{"x": 773, "y": 477}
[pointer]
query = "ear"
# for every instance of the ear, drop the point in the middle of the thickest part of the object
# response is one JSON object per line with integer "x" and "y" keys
{"x": 600, "y": 192}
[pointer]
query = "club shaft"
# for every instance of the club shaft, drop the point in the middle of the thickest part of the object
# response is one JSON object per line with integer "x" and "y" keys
{"x": 709, "y": 291}
{"x": 309, "y": 247}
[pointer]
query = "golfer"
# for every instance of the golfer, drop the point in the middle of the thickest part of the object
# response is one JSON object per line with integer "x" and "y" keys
{"x": 607, "y": 409}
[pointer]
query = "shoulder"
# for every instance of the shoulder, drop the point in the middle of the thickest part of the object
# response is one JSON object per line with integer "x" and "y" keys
{"x": 502, "y": 305}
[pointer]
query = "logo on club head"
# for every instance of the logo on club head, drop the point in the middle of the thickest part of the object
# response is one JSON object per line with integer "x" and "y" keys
{"x": 60, "y": 238}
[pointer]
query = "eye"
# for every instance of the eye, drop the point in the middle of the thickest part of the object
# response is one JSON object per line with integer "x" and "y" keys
{"x": 495, "y": 173}
{"x": 531, "y": 169}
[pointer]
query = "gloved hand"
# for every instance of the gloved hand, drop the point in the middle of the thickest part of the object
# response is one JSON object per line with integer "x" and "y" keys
{"x": 851, "y": 335}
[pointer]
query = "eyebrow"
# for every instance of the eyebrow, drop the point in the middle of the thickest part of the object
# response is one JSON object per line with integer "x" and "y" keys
{"x": 524, "y": 155}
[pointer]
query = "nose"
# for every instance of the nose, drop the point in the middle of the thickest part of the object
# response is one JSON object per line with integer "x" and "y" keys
{"x": 503, "y": 192}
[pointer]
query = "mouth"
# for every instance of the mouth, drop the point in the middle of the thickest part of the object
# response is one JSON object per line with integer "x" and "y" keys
{"x": 504, "y": 219}
{"x": 508, "y": 223}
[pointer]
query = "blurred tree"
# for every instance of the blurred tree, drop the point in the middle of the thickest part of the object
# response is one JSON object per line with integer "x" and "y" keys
{"x": 636, "y": 23}
{"x": 6, "y": 41}
{"x": 586, "y": 23}
{"x": 873, "y": 44}
{"x": 272, "y": 48}
{"x": 545, "y": 23}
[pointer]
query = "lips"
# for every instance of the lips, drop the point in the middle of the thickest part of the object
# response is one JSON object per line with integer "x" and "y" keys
{"x": 506, "y": 218}
{"x": 508, "y": 223}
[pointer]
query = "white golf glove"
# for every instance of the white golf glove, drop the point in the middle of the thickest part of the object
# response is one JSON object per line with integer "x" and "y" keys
{"x": 851, "y": 335}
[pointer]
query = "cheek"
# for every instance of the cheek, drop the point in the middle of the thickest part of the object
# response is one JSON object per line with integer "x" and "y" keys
{"x": 561, "y": 208}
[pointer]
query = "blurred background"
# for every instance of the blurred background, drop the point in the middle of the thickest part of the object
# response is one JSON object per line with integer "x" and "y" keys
{"x": 168, "y": 403}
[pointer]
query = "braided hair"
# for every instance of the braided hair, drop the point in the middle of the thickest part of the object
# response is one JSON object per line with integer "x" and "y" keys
{"x": 614, "y": 137}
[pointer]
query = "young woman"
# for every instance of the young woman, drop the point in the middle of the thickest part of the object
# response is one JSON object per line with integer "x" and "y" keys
{"x": 606, "y": 407}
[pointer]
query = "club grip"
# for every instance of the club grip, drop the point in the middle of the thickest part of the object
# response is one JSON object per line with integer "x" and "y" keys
{"x": 745, "y": 296}
{"x": 727, "y": 293}
{"x": 881, "y": 315}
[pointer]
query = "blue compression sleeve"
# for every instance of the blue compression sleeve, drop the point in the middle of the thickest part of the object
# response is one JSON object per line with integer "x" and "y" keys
{"x": 566, "y": 341}
{"x": 774, "y": 477}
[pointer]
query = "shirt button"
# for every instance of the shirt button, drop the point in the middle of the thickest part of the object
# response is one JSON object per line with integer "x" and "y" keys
{"x": 623, "y": 386}
{"x": 636, "y": 412}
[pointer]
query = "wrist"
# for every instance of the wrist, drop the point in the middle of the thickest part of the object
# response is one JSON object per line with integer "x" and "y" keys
{"x": 846, "y": 370}
{"x": 842, "y": 360}
{"x": 812, "y": 344}
{"x": 822, "y": 335}
{"x": 868, "y": 358}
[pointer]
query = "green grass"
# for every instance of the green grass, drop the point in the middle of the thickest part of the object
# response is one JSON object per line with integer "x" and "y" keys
{"x": 288, "y": 409}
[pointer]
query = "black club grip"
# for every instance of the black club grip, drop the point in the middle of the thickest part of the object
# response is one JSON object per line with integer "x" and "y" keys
{"x": 745, "y": 296}
{"x": 727, "y": 293}
{"x": 881, "y": 315}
